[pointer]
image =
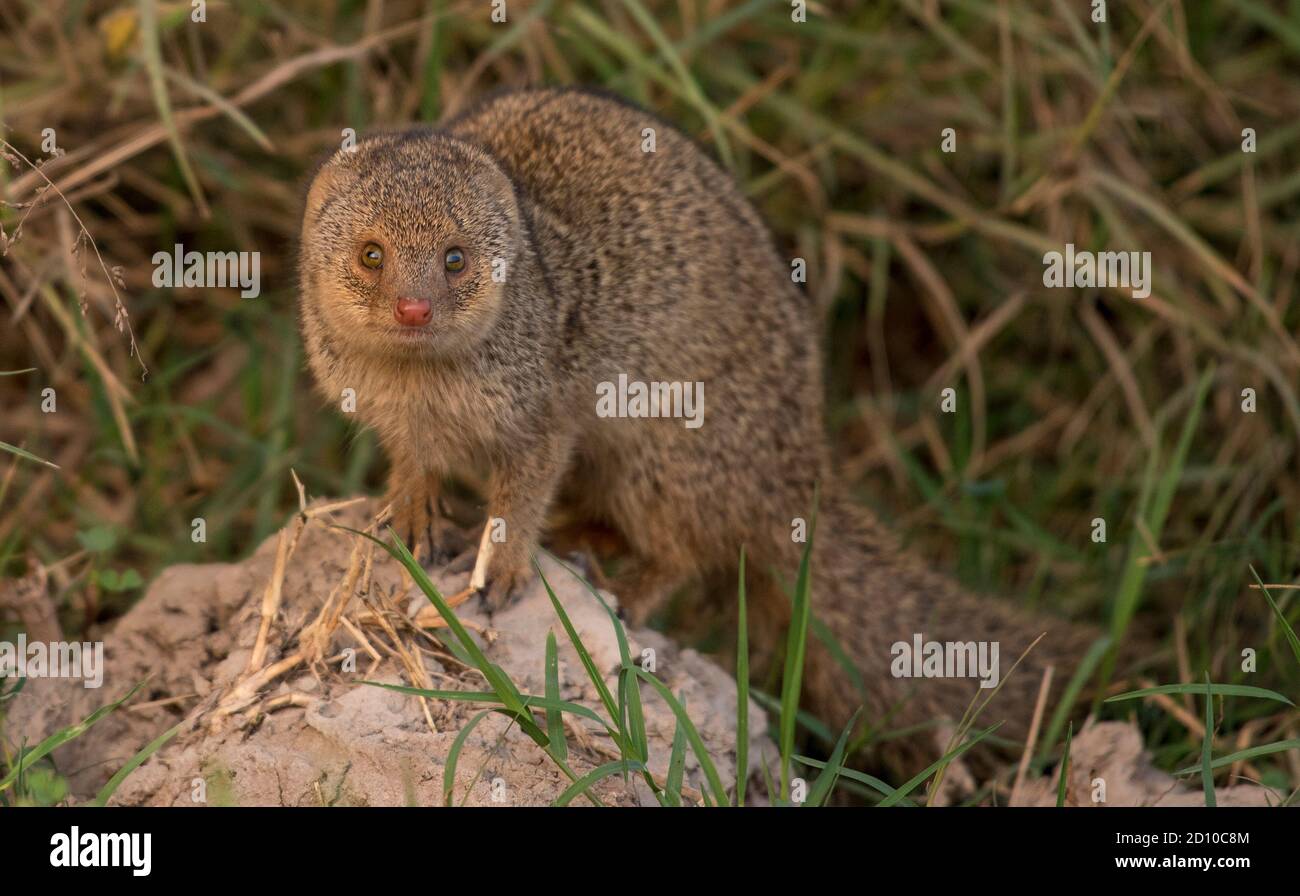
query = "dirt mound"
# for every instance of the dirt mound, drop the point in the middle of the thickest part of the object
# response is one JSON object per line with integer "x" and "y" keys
{"x": 261, "y": 664}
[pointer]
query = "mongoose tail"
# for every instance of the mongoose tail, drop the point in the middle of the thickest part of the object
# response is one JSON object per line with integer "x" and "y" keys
{"x": 881, "y": 604}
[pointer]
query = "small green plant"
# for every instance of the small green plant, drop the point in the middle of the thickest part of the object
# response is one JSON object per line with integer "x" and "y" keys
{"x": 624, "y": 723}
{"x": 29, "y": 778}
{"x": 1210, "y": 690}
{"x": 541, "y": 717}
{"x": 99, "y": 542}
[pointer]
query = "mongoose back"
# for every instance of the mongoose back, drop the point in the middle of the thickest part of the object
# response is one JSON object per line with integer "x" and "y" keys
{"x": 476, "y": 284}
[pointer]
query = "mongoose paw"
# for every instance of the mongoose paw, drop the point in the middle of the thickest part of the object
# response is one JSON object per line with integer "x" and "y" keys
{"x": 504, "y": 587}
{"x": 444, "y": 541}
{"x": 427, "y": 534}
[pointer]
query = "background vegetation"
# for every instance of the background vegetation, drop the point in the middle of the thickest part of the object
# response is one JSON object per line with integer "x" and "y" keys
{"x": 1121, "y": 135}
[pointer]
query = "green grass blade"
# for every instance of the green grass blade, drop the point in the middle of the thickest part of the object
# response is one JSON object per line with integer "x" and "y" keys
{"x": 59, "y": 738}
{"x": 516, "y": 32}
{"x": 1286, "y": 29}
{"x": 1249, "y": 753}
{"x": 452, "y": 646}
{"x": 554, "y": 718}
{"x": 1207, "y": 744}
{"x": 838, "y": 653}
{"x": 26, "y": 455}
{"x": 1281, "y": 617}
{"x": 431, "y": 95}
{"x": 825, "y": 783}
{"x": 871, "y": 781}
{"x": 606, "y": 698}
{"x": 585, "y": 783}
{"x": 742, "y": 686}
{"x": 692, "y": 734}
{"x": 531, "y": 701}
{"x": 453, "y": 755}
{"x": 690, "y": 87}
{"x": 629, "y": 696}
{"x": 712, "y": 28}
{"x": 1081, "y": 675}
{"x": 1161, "y": 496}
{"x": 106, "y": 793}
{"x": 229, "y": 109}
{"x": 632, "y": 740}
{"x": 1065, "y": 768}
{"x": 153, "y": 63}
{"x": 796, "y": 644}
{"x": 1222, "y": 690}
{"x": 941, "y": 762}
{"x": 676, "y": 766}
{"x": 631, "y": 715}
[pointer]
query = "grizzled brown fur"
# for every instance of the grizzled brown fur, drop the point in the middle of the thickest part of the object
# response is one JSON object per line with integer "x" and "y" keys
{"x": 653, "y": 265}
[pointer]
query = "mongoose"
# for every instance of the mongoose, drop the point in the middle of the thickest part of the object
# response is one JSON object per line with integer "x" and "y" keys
{"x": 475, "y": 284}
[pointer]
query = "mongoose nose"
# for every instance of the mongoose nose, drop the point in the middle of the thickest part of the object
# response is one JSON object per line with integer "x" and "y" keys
{"x": 412, "y": 312}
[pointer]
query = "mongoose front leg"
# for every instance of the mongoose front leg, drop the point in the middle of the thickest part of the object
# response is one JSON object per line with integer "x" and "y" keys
{"x": 416, "y": 517}
{"x": 520, "y": 492}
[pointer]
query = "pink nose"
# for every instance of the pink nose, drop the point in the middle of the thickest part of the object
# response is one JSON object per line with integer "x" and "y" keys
{"x": 412, "y": 312}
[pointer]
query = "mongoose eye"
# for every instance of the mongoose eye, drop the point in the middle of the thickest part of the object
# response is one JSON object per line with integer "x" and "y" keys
{"x": 455, "y": 261}
{"x": 372, "y": 256}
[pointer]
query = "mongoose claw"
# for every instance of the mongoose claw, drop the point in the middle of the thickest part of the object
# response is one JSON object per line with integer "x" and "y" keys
{"x": 444, "y": 541}
{"x": 431, "y": 538}
{"x": 505, "y": 587}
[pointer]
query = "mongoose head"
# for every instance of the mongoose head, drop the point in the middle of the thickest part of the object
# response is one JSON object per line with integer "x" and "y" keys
{"x": 407, "y": 242}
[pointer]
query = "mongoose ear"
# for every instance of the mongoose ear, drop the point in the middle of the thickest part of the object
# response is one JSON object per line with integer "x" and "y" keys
{"x": 325, "y": 180}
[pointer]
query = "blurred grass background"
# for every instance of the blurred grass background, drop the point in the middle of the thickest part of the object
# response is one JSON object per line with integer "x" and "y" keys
{"x": 1124, "y": 135}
